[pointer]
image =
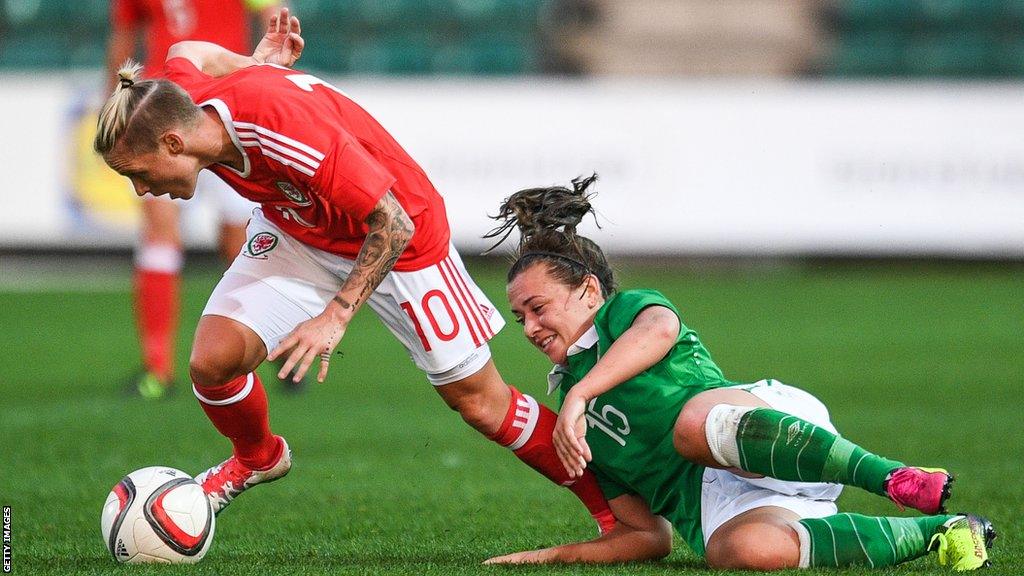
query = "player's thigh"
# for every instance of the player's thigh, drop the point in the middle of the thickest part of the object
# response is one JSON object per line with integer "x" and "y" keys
{"x": 445, "y": 321}
{"x": 791, "y": 400}
{"x": 160, "y": 221}
{"x": 739, "y": 514}
{"x": 758, "y": 539}
{"x": 272, "y": 286}
{"x": 441, "y": 317}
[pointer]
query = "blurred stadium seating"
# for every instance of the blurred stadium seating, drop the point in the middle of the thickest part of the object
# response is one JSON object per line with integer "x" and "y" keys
{"x": 844, "y": 38}
{"x": 945, "y": 38}
{"x": 365, "y": 36}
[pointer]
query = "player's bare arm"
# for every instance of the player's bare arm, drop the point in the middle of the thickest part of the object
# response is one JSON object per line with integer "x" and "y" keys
{"x": 639, "y": 535}
{"x": 281, "y": 45}
{"x": 644, "y": 344}
{"x": 389, "y": 231}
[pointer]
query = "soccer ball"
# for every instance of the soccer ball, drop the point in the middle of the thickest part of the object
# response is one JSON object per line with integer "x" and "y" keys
{"x": 157, "y": 514}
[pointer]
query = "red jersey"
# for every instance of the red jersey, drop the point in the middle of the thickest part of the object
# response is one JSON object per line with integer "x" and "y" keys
{"x": 223, "y": 22}
{"x": 315, "y": 160}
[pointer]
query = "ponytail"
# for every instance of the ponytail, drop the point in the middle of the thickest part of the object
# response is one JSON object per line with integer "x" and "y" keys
{"x": 139, "y": 111}
{"x": 547, "y": 219}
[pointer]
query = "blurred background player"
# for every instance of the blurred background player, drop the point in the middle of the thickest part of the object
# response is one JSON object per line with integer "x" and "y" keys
{"x": 159, "y": 252}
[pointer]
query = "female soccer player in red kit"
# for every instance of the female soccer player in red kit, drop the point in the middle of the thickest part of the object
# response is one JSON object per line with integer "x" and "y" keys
{"x": 347, "y": 219}
{"x": 158, "y": 256}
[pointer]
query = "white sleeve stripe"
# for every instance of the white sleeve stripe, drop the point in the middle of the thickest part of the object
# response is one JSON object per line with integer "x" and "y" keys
{"x": 280, "y": 138}
{"x": 287, "y": 162}
{"x": 282, "y": 149}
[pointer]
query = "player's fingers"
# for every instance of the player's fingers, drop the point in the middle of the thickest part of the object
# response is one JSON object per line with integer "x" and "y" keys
{"x": 282, "y": 20}
{"x": 272, "y": 24}
{"x": 587, "y": 456}
{"x": 570, "y": 460}
{"x": 325, "y": 363}
{"x": 281, "y": 348}
{"x": 307, "y": 360}
{"x": 296, "y": 25}
{"x": 560, "y": 451}
{"x": 573, "y": 442}
{"x": 293, "y": 359}
{"x": 295, "y": 44}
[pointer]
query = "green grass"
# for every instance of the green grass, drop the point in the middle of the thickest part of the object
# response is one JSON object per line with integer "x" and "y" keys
{"x": 919, "y": 362}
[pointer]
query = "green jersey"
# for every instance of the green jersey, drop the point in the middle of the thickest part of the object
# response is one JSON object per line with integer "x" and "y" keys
{"x": 629, "y": 428}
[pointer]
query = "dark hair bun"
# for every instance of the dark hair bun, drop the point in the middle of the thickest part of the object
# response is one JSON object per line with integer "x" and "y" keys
{"x": 536, "y": 211}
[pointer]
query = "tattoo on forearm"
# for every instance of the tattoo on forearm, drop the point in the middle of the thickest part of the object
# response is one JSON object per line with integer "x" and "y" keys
{"x": 390, "y": 231}
{"x": 344, "y": 303}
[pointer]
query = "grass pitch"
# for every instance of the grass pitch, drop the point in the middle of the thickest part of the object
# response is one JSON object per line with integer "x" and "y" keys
{"x": 919, "y": 362}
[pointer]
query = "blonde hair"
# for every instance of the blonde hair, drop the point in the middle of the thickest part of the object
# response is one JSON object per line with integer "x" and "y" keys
{"x": 140, "y": 111}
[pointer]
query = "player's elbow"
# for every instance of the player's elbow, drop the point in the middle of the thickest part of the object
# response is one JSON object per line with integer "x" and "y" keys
{"x": 183, "y": 49}
{"x": 407, "y": 228}
{"x": 197, "y": 52}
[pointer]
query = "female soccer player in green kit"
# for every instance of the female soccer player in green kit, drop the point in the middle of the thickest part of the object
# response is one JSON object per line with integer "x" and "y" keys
{"x": 747, "y": 474}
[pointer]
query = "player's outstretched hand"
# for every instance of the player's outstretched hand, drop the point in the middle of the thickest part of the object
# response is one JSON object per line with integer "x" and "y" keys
{"x": 527, "y": 557}
{"x": 311, "y": 340}
{"x": 283, "y": 43}
{"x": 569, "y": 436}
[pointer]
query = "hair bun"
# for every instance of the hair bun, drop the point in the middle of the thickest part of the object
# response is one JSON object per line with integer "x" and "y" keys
{"x": 538, "y": 210}
{"x": 129, "y": 73}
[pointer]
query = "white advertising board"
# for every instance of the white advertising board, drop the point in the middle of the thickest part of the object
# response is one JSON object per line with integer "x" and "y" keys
{"x": 686, "y": 167}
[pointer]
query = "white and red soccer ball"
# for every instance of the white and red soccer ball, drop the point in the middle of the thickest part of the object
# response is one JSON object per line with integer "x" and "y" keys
{"x": 157, "y": 514}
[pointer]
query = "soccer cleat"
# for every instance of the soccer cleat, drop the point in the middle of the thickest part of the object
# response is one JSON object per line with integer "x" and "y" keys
{"x": 149, "y": 386}
{"x": 924, "y": 489}
{"x": 963, "y": 542}
{"x": 225, "y": 481}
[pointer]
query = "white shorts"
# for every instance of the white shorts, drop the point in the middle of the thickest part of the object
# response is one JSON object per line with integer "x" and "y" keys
{"x": 229, "y": 207}
{"x": 725, "y": 495}
{"x": 438, "y": 313}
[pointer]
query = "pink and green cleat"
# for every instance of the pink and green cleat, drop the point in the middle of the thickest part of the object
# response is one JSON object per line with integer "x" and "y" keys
{"x": 225, "y": 481}
{"x": 924, "y": 489}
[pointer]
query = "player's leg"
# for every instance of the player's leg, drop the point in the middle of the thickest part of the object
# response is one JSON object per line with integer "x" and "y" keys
{"x": 961, "y": 541}
{"x": 775, "y": 430}
{"x": 158, "y": 260}
{"x": 767, "y": 524}
{"x": 269, "y": 289}
{"x": 233, "y": 212}
{"x": 520, "y": 423}
{"x": 225, "y": 355}
{"x": 445, "y": 321}
{"x": 775, "y": 538}
{"x": 758, "y": 539}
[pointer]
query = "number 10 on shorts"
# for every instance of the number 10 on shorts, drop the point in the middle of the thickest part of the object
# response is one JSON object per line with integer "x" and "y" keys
{"x": 433, "y": 300}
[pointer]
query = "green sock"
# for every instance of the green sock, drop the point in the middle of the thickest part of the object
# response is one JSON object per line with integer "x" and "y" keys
{"x": 849, "y": 539}
{"x": 786, "y": 447}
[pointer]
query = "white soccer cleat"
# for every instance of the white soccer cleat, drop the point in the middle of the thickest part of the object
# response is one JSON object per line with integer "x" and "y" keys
{"x": 225, "y": 481}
